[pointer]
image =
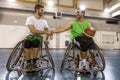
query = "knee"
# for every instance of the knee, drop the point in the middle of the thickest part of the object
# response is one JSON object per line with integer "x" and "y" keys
{"x": 27, "y": 44}
{"x": 36, "y": 43}
{"x": 84, "y": 49}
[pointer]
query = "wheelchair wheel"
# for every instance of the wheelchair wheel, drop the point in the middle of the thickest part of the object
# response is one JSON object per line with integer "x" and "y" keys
{"x": 98, "y": 75}
{"x": 13, "y": 75}
{"x": 100, "y": 61}
{"x": 49, "y": 75}
{"x": 15, "y": 56}
{"x": 49, "y": 55}
{"x": 66, "y": 55}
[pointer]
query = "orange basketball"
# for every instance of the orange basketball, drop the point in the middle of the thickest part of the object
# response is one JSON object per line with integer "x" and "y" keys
{"x": 89, "y": 32}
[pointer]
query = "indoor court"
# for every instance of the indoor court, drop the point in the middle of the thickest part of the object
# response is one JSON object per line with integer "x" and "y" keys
{"x": 59, "y": 39}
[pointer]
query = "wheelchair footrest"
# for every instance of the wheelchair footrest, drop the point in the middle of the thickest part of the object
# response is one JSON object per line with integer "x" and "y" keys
{"x": 77, "y": 70}
{"x": 36, "y": 69}
{"x": 81, "y": 70}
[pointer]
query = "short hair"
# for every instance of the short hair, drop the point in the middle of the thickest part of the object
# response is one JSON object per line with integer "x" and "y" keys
{"x": 38, "y": 6}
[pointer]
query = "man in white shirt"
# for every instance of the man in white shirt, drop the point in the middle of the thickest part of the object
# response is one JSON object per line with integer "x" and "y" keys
{"x": 37, "y": 25}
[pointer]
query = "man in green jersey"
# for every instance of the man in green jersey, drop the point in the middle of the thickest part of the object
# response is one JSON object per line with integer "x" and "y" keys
{"x": 77, "y": 27}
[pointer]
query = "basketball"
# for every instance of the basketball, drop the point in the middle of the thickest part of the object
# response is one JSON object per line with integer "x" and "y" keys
{"x": 89, "y": 32}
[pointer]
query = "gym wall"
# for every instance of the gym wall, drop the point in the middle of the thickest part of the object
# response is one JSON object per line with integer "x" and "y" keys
{"x": 13, "y": 29}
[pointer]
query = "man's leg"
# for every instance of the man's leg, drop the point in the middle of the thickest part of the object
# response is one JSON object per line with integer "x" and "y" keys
{"x": 92, "y": 46}
{"x": 83, "y": 45}
{"x": 35, "y": 45}
{"x": 27, "y": 46}
{"x": 93, "y": 59}
{"x": 35, "y": 54}
{"x": 27, "y": 54}
{"x": 83, "y": 57}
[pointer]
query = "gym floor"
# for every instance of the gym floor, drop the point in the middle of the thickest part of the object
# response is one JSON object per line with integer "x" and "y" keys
{"x": 111, "y": 72}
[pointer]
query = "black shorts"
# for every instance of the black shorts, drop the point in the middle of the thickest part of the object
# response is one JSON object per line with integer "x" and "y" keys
{"x": 33, "y": 41}
{"x": 84, "y": 43}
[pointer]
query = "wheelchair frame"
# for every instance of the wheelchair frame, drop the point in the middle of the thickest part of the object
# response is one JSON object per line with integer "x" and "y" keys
{"x": 69, "y": 58}
{"x": 16, "y": 60}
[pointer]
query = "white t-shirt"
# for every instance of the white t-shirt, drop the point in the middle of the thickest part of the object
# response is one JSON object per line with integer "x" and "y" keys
{"x": 39, "y": 24}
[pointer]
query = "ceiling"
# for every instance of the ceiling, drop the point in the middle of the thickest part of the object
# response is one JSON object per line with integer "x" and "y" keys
{"x": 94, "y": 8}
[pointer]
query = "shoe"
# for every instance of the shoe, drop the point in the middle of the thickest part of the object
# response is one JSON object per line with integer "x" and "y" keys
{"x": 95, "y": 68}
{"x": 28, "y": 66}
{"x": 33, "y": 66}
{"x": 84, "y": 72}
{"x": 84, "y": 68}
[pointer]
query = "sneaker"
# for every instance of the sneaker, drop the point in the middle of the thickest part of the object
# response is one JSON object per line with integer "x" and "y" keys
{"x": 83, "y": 68}
{"x": 95, "y": 68}
{"x": 28, "y": 66}
{"x": 85, "y": 71}
{"x": 33, "y": 66}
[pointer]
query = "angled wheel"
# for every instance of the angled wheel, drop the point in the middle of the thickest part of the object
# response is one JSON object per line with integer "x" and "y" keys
{"x": 13, "y": 75}
{"x": 99, "y": 75}
{"x": 48, "y": 75}
{"x": 66, "y": 55}
{"x": 49, "y": 55}
{"x": 100, "y": 60}
{"x": 15, "y": 56}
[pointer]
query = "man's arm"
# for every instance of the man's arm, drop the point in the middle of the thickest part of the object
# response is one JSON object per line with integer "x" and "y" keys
{"x": 91, "y": 27}
{"x": 67, "y": 27}
{"x": 47, "y": 36}
{"x": 34, "y": 31}
{"x": 89, "y": 24}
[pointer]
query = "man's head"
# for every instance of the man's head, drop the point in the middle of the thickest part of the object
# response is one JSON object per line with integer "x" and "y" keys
{"x": 39, "y": 9}
{"x": 79, "y": 13}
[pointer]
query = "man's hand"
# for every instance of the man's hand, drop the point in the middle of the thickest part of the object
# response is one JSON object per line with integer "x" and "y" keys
{"x": 47, "y": 42}
{"x": 49, "y": 33}
{"x": 52, "y": 32}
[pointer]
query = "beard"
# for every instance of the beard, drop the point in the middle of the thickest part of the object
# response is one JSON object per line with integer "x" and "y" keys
{"x": 40, "y": 14}
{"x": 78, "y": 16}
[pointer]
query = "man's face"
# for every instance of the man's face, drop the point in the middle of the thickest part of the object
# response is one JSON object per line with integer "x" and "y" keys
{"x": 40, "y": 11}
{"x": 79, "y": 14}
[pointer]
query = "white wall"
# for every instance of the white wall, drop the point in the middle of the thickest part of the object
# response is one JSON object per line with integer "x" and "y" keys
{"x": 107, "y": 40}
{"x": 10, "y": 35}
{"x": 11, "y": 32}
{"x": 103, "y": 43}
{"x": 63, "y": 37}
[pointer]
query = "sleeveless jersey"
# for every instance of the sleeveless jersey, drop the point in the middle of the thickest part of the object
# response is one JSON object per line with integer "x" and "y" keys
{"x": 77, "y": 28}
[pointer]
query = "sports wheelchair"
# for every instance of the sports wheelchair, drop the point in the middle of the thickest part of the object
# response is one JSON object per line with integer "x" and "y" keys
{"x": 17, "y": 62}
{"x": 69, "y": 59}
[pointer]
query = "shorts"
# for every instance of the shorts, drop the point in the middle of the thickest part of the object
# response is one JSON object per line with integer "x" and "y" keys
{"x": 84, "y": 43}
{"x": 33, "y": 41}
